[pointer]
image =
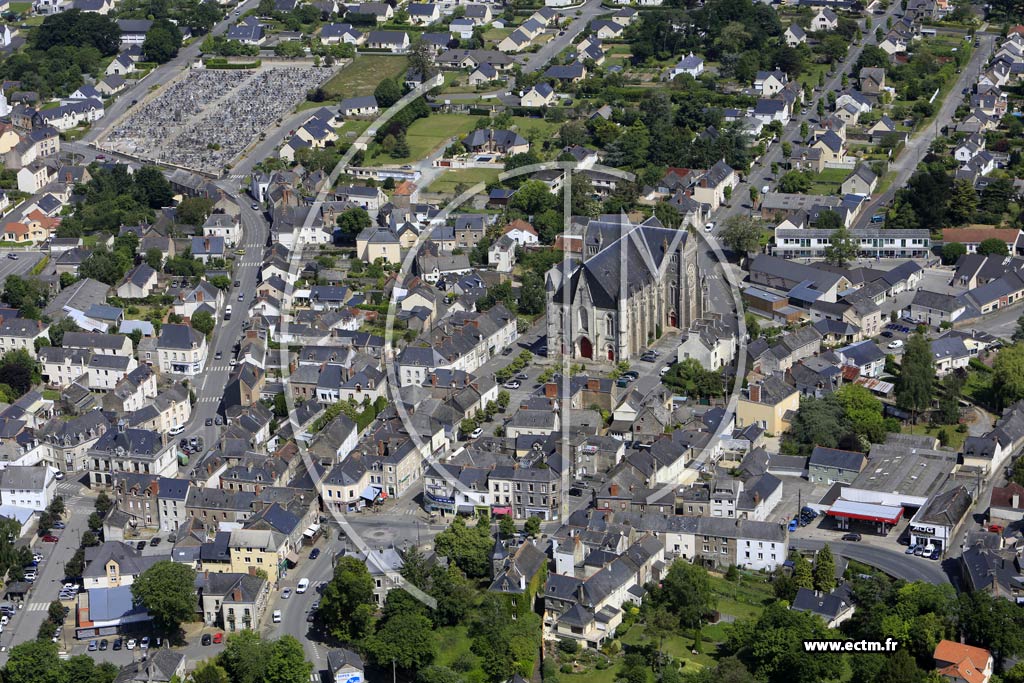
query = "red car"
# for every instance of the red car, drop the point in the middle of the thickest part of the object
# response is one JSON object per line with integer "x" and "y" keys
{"x": 50, "y": 538}
{"x": 218, "y": 637}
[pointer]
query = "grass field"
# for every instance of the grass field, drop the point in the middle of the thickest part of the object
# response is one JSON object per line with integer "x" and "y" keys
{"x": 426, "y": 134}
{"x": 956, "y": 439}
{"x": 447, "y": 181}
{"x": 363, "y": 74}
{"x": 20, "y": 7}
{"x": 828, "y": 181}
{"x": 535, "y": 128}
{"x": 813, "y": 73}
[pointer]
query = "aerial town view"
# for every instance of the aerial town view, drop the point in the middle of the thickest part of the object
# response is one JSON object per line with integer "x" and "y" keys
{"x": 511, "y": 341}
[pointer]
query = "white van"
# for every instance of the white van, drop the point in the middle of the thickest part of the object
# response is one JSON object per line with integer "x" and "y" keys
{"x": 302, "y": 586}
{"x": 227, "y": 312}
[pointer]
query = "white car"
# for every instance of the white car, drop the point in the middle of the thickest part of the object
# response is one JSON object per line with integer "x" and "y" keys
{"x": 709, "y": 227}
{"x": 895, "y": 344}
{"x": 277, "y": 616}
{"x": 664, "y": 370}
{"x": 476, "y": 433}
{"x": 131, "y": 644}
{"x": 512, "y": 384}
{"x": 302, "y": 585}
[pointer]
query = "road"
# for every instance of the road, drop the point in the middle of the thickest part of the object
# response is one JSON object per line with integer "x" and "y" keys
{"x": 158, "y": 77}
{"x": 760, "y": 175}
{"x": 919, "y": 144}
{"x": 539, "y": 59}
{"x": 892, "y": 562}
{"x": 46, "y": 587}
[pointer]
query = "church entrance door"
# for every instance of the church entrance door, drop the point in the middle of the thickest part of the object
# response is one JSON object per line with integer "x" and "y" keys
{"x": 586, "y": 348}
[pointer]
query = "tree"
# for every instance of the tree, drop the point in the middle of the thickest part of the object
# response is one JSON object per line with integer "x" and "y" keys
{"x": 203, "y": 322}
{"x": 741, "y": 234}
{"x": 507, "y": 527}
{"x": 352, "y": 221}
{"x": 1008, "y": 376}
{"x": 469, "y": 548}
{"x": 167, "y": 590}
{"x": 193, "y": 211}
{"x": 863, "y": 413}
{"x": 532, "y": 526}
{"x": 406, "y": 639}
{"x": 78, "y": 29}
{"x": 686, "y": 592}
{"x": 917, "y": 376}
{"x": 803, "y": 572}
{"x": 993, "y": 246}
{"x": 951, "y": 252}
{"x": 346, "y": 608}
{"x": 842, "y": 247}
{"x": 388, "y": 92}
{"x": 209, "y": 672}
{"x": 454, "y": 594}
{"x": 992, "y": 622}
{"x": 19, "y": 371}
{"x": 28, "y": 294}
{"x": 963, "y": 203}
{"x": 152, "y": 188}
{"x": 103, "y": 503}
{"x": 795, "y": 182}
{"x": 828, "y": 220}
{"x": 163, "y": 40}
{"x": 34, "y": 661}
{"x": 286, "y": 662}
{"x": 59, "y": 328}
{"x": 825, "y": 570}
{"x": 95, "y": 522}
{"x": 772, "y": 649}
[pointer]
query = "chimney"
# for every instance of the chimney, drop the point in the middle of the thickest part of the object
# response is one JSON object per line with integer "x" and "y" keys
{"x": 551, "y": 390}
{"x": 1016, "y": 500}
{"x": 754, "y": 391}
{"x": 614, "y": 490}
{"x": 593, "y": 384}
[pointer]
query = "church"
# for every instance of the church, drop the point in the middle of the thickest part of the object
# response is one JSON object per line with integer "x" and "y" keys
{"x": 631, "y": 283}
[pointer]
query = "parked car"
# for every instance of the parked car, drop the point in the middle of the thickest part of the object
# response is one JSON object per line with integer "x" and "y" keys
{"x": 895, "y": 344}
{"x": 277, "y": 616}
{"x": 512, "y": 384}
{"x": 286, "y": 593}
{"x": 522, "y": 376}
{"x": 314, "y": 553}
{"x": 205, "y": 640}
{"x": 58, "y": 525}
{"x": 851, "y": 537}
{"x": 144, "y": 643}
{"x": 302, "y": 585}
{"x": 93, "y": 646}
{"x": 887, "y": 333}
{"x": 792, "y": 525}
{"x": 919, "y": 550}
{"x": 155, "y": 542}
{"x": 131, "y": 644}
{"x": 141, "y": 545}
{"x": 996, "y": 528}
{"x": 910, "y": 550}
{"x": 935, "y": 554}
{"x": 118, "y": 643}
{"x": 103, "y": 645}
{"x": 218, "y": 638}
{"x": 209, "y": 422}
{"x": 50, "y": 538}
{"x": 476, "y": 433}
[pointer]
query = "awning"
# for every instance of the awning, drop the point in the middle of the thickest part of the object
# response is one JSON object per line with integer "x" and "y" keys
{"x": 872, "y": 512}
{"x": 292, "y": 557}
{"x": 371, "y": 493}
{"x": 502, "y": 511}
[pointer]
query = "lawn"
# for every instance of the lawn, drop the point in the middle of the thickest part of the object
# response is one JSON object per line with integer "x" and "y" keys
{"x": 425, "y": 135}
{"x": 813, "y": 73}
{"x": 362, "y": 76}
{"x": 20, "y": 7}
{"x": 531, "y": 128}
{"x": 956, "y": 439}
{"x": 449, "y": 180}
{"x": 828, "y": 181}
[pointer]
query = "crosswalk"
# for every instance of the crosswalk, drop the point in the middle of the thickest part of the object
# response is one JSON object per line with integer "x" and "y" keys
{"x": 37, "y": 607}
{"x": 224, "y": 367}
{"x": 69, "y": 488}
{"x": 209, "y": 399}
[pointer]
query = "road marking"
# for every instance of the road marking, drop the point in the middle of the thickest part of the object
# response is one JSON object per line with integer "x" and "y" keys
{"x": 37, "y": 607}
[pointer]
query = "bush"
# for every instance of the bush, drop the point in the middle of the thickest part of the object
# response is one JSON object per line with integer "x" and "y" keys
{"x": 568, "y": 646}
{"x": 566, "y": 669}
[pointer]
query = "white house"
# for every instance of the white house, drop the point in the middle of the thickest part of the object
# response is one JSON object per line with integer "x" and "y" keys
{"x": 27, "y": 487}
{"x": 689, "y": 64}
{"x": 181, "y": 350}
{"x": 825, "y": 20}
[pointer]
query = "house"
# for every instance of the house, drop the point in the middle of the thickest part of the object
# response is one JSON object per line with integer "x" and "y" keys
{"x": 391, "y": 41}
{"x": 21, "y": 333}
{"x": 181, "y": 350}
{"x": 359, "y": 106}
{"x": 337, "y": 34}
{"x": 1007, "y": 503}
{"x": 494, "y": 141}
{"x": 961, "y": 663}
{"x": 825, "y": 20}
{"x": 540, "y": 95}
{"x": 862, "y": 181}
{"x": 767, "y": 111}
{"x": 484, "y": 73}
{"x": 502, "y": 254}
{"x": 972, "y": 237}
{"x": 937, "y": 521}
{"x": 369, "y": 198}
{"x": 28, "y": 487}
{"x": 521, "y": 232}
{"x": 344, "y": 666}
{"x": 138, "y": 283}
{"x": 206, "y": 248}
{"x": 517, "y": 41}
{"x": 462, "y": 28}
{"x": 949, "y": 354}
{"x": 884, "y": 126}
{"x": 934, "y": 308}
{"x": 381, "y": 12}
{"x": 710, "y": 188}
{"x": 605, "y": 29}
{"x": 567, "y": 73}
{"x": 232, "y": 601}
{"x": 226, "y": 226}
{"x": 866, "y": 356}
{"x": 163, "y": 665}
{"x": 248, "y": 32}
{"x": 34, "y": 177}
{"x": 834, "y": 608}
{"x": 124, "y": 449}
{"x": 794, "y": 35}
{"x": 423, "y": 13}
{"x": 479, "y": 13}
{"x": 770, "y": 403}
{"x": 377, "y": 242}
{"x": 831, "y": 465}
{"x": 769, "y": 83}
{"x": 872, "y": 80}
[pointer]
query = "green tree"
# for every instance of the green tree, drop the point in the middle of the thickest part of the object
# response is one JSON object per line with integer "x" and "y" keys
{"x": 352, "y": 221}
{"x": 77, "y": 29}
{"x": 59, "y": 328}
{"x": 192, "y": 211}
{"x": 162, "y": 42}
{"x": 34, "y": 661}
{"x": 863, "y": 411}
{"x": 825, "y": 570}
{"x": 741, "y": 234}
{"x": 1007, "y": 376}
{"x": 454, "y": 593}
{"x": 993, "y": 246}
{"x": 842, "y": 247}
{"x": 387, "y": 93}
{"x": 507, "y": 527}
{"x": 286, "y": 662}
{"x": 95, "y": 522}
{"x": 803, "y": 572}
{"x": 346, "y": 608}
{"x": 244, "y": 657}
{"x": 203, "y": 322}
{"x": 406, "y": 640}
{"x": 167, "y": 590}
{"x": 152, "y": 188}
{"x": 993, "y": 623}
{"x": 468, "y": 547}
{"x": 795, "y": 182}
{"x": 771, "y": 646}
{"x": 209, "y": 672}
{"x": 19, "y": 371}
{"x": 686, "y": 592}
{"x": 963, "y": 203}
{"x": 952, "y": 251}
{"x": 532, "y": 526}
{"x": 917, "y": 376}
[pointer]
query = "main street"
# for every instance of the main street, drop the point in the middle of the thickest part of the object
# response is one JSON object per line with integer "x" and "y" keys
{"x": 892, "y": 562}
